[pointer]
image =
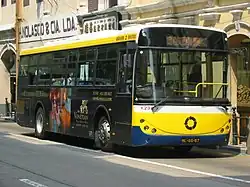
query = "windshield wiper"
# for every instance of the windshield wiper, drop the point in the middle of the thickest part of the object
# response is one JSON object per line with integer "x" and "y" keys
{"x": 157, "y": 104}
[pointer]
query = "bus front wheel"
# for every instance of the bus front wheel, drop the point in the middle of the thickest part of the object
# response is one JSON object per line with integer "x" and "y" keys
{"x": 102, "y": 135}
{"x": 40, "y": 124}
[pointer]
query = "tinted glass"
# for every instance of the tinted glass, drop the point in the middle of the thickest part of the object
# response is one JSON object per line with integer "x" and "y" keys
{"x": 186, "y": 38}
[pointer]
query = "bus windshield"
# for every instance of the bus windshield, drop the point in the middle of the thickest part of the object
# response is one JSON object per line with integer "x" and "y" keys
{"x": 164, "y": 73}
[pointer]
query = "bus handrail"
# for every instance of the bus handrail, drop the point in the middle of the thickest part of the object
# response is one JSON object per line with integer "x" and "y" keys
{"x": 208, "y": 83}
{"x": 183, "y": 91}
{"x": 199, "y": 84}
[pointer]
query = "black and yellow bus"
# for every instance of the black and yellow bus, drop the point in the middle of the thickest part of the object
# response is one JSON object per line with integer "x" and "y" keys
{"x": 144, "y": 85}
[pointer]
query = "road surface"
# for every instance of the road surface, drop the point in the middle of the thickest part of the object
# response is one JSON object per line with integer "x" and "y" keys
{"x": 68, "y": 162}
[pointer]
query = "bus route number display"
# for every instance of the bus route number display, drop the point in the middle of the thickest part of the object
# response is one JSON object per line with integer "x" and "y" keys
{"x": 193, "y": 42}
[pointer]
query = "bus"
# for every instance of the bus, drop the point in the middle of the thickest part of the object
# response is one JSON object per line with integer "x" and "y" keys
{"x": 145, "y": 85}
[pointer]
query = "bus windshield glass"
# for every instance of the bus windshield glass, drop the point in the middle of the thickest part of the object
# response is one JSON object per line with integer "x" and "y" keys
{"x": 161, "y": 73}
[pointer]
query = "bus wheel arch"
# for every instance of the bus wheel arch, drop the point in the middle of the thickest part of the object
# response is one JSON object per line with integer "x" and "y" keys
{"x": 101, "y": 111}
{"x": 102, "y": 129}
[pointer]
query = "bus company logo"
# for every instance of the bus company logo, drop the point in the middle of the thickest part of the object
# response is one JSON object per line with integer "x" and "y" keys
{"x": 190, "y": 123}
{"x": 84, "y": 107}
{"x": 81, "y": 115}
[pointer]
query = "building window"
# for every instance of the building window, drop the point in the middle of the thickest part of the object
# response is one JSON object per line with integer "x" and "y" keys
{"x": 3, "y": 3}
{"x": 13, "y": 1}
{"x": 92, "y": 5}
{"x": 26, "y": 2}
{"x": 112, "y": 3}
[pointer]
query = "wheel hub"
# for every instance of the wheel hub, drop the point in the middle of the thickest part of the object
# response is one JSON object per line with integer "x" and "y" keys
{"x": 39, "y": 123}
{"x": 104, "y": 131}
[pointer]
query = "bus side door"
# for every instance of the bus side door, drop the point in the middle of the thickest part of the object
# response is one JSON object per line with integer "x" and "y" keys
{"x": 122, "y": 102}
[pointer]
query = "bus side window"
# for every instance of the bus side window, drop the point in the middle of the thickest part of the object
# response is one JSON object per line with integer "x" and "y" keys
{"x": 85, "y": 67}
{"x": 106, "y": 66}
{"x": 43, "y": 69}
{"x": 59, "y": 68}
{"x": 125, "y": 75}
{"x": 27, "y": 71}
{"x": 32, "y": 69}
{"x": 72, "y": 60}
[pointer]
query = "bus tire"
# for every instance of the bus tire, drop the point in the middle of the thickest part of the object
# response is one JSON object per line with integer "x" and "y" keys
{"x": 40, "y": 124}
{"x": 102, "y": 135}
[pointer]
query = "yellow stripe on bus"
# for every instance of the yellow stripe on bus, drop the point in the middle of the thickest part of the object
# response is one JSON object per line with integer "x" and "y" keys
{"x": 79, "y": 44}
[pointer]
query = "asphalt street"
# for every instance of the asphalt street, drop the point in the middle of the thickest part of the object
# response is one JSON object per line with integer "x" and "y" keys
{"x": 62, "y": 162}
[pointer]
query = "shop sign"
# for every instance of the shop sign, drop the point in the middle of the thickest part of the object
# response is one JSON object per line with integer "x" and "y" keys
{"x": 101, "y": 22}
{"x": 49, "y": 28}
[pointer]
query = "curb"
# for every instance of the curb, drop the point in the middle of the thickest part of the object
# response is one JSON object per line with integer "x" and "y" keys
{"x": 6, "y": 120}
{"x": 237, "y": 149}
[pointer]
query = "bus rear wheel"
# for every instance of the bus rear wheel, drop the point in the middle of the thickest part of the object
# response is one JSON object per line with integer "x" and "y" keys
{"x": 40, "y": 124}
{"x": 102, "y": 135}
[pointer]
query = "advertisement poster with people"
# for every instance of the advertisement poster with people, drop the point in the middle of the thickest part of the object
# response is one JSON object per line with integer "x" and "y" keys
{"x": 60, "y": 114}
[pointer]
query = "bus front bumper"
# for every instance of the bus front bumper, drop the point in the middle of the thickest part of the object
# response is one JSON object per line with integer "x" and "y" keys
{"x": 139, "y": 138}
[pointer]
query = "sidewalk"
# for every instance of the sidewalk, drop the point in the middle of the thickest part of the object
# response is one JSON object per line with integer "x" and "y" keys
{"x": 4, "y": 118}
{"x": 242, "y": 149}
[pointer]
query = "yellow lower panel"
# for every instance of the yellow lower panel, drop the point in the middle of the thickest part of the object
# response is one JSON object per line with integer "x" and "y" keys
{"x": 183, "y": 123}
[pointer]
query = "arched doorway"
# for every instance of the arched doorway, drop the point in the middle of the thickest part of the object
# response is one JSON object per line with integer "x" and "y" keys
{"x": 7, "y": 75}
{"x": 240, "y": 79}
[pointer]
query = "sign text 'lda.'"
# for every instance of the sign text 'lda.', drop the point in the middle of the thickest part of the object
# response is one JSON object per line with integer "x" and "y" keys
{"x": 52, "y": 28}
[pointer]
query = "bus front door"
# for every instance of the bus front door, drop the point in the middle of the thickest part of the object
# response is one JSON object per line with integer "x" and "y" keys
{"x": 122, "y": 102}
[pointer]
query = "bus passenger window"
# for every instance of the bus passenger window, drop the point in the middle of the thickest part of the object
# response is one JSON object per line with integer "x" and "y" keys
{"x": 72, "y": 62}
{"x": 85, "y": 73}
{"x": 106, "y": 65}
{"x": 26, "y": 71}
{"x": 43, "y": 69}
{"x": 71, "y": 79}
{"x": 32, "y": 77}
{"x": 59, "y": 74}
{"x": 24, "y": 64}
{"x": 59, "y": 68}
{"x": 105, "y": 72}
{"x": 43, "y": 76}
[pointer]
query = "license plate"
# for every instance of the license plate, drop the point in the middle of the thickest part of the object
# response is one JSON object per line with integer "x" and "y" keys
{"x": 190, "y": 140}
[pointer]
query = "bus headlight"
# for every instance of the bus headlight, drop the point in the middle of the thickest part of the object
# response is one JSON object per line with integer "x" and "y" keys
{"x": 222, "y": 130}
{"x": 142, "y": 120}
{"x": 153, "y": 130}
{"x": 146, "y": 127}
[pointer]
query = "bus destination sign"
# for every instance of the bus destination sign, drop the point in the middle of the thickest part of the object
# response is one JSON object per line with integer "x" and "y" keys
{"x": 192, "y": 42}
